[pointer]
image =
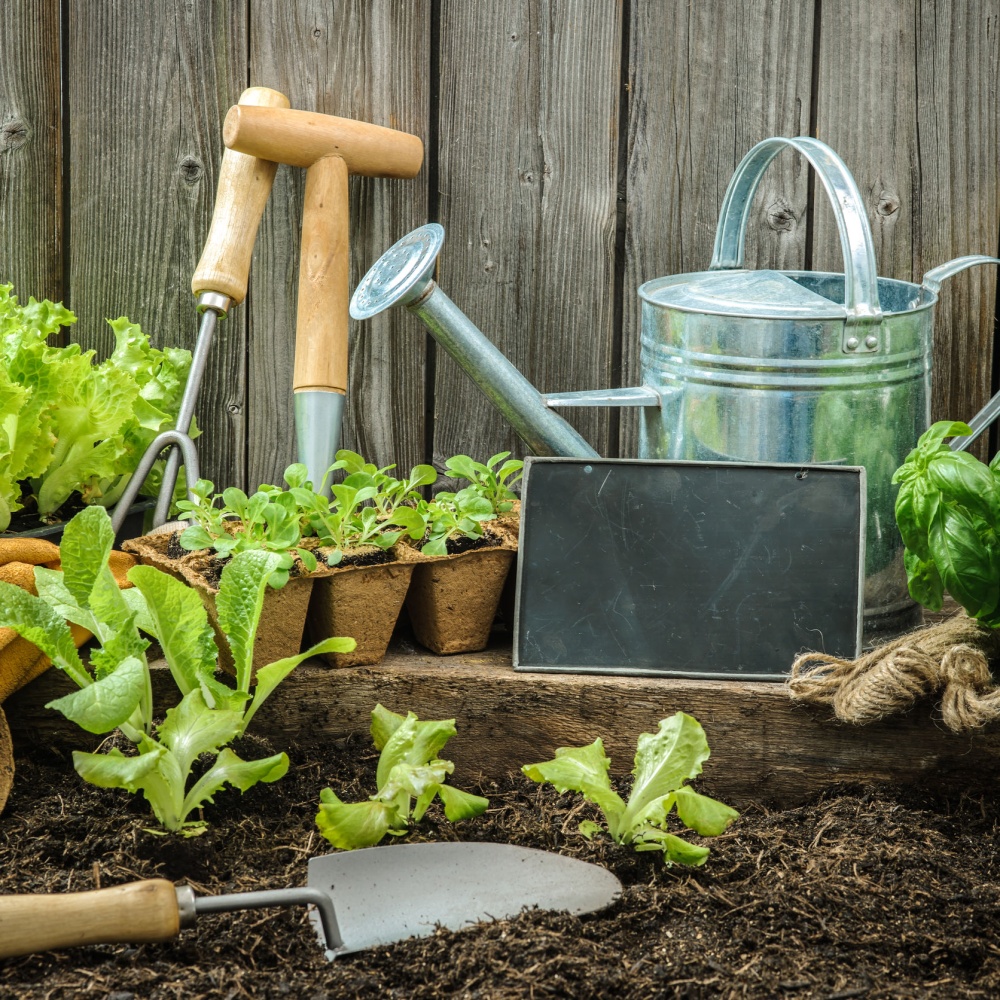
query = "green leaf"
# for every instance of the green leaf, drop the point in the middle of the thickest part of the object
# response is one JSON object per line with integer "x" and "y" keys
{"x": 114, "y": 770}
{"x": 664, "y": 761}
{"x": 384, "y": 724}
{"x": 239, "y": 603}
{"x": 107, "y": 703}
{"x": 589, "y": 829}
{"x": 229, "y": 769}
{"x": 967, "y": 570}
{"x": 269, "y": 677}
{"x": 192, "y": 728}
{"x": 460, "y": 805}
{"x": 180, "y": 625}
{"x": 414, "y": 742}
{"x": 33, "y": 619}
{"x": 86, "y": 543}
{"x": 923, "y": 581}
{"x": 675, "y": 850}
{"x": 350, "y": 825}
{"x": 584, "y": 770}
{"x": 964, "y": 480}
{"x": 932, "y": 440}
{"x": 702, "y": 814}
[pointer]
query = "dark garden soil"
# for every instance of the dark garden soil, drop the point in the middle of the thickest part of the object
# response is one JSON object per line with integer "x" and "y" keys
{"x": 862, "y": 893}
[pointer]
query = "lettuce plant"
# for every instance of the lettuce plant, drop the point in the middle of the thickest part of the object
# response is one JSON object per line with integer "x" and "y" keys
{"x": 68, "y": 425}
{"x": 490, "y": 480}
{"x": 409, "y": 777}
{"x": 114, "y": 688}
{"x": 664, "y": 761}
{"x": 454, "y": 515}
{"x": 240, "y": 523}
{"x": 948, "y": 512}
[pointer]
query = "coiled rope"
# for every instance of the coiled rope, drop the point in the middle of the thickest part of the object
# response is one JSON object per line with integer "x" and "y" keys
{"x": 950, "y": 658}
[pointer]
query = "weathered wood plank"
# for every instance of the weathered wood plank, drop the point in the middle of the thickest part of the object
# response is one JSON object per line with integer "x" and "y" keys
{"x": 765, "y": 748}
{"x": 31, "y": 238}
{"x": 528, "y": 161}
{"x": 906, "y": 95}
{"x": 149, "y": 85}
{"x": 705, "y": 85}
{"x": 355, "y": 60}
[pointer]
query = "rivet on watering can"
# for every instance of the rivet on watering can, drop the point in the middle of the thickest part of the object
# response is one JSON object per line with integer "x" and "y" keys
{"x": 871, "y": 342}
{"x": 852, "y": 343}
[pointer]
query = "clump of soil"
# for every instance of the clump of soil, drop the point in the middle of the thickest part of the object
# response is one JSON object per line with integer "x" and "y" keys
{"x": 872, "y": 893}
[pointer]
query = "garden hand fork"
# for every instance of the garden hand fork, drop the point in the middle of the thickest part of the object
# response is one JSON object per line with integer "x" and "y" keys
{"x": 220, "y": 281}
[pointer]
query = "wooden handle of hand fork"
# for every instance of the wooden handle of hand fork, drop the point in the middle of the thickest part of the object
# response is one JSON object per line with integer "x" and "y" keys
{"x": 244, "y": 187}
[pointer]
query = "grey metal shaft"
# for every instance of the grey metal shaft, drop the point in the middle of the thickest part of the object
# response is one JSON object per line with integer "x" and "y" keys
{"x": 978, "y": 423}
{"x": 318, "y": 418}
{"x": 213, "y": 305}
{"x": 520, "y": 403}
{"x": 305, "y": 896}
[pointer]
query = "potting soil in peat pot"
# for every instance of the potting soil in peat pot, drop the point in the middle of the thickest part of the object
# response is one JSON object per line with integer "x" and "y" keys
{"x": 869, "y": 894}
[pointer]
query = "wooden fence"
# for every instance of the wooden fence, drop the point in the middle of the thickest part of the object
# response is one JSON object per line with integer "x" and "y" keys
{"x": 574, "y": 149}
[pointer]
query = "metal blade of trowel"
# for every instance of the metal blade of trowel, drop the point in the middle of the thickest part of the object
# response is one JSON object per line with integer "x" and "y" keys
{"x": 388, "y": 894}
{"x": 363, "y": 899}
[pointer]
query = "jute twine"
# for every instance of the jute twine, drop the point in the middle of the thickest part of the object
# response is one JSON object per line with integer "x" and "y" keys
{"x": 950, "y": 658}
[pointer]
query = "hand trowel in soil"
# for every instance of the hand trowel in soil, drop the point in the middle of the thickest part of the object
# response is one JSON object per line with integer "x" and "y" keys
{"x": 363, "y": 899}
{"x": 219, "y": 282}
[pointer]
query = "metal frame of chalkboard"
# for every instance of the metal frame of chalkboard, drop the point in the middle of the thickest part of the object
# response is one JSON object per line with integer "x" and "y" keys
{"x": 667, "y": 672}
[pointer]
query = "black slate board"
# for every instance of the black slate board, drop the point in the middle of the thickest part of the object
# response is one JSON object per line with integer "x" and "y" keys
{"x": 696, "y": 569}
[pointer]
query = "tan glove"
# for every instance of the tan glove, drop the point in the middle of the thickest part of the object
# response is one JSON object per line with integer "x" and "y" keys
{"x": 22, "y": 661}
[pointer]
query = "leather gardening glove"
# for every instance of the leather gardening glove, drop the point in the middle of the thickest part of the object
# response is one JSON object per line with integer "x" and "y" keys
{"x": 21, "y": 661}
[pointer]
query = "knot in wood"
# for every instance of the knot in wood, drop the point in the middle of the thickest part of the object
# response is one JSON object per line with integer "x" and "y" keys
{"x": 780, "y": 217}
{"x": 888, "y": 204}
{"x": 14, "y": 134}
{"x": 191, "y": 169}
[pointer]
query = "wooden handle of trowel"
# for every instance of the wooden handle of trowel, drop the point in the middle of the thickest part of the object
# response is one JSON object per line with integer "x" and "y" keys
{"x": 133, "y": 913}
{"x": 321, "y": 320}
{"x": 244, "y": 186}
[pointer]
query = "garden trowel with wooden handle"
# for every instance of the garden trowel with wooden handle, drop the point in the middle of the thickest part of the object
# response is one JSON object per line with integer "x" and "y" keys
{"x": 220, "y": 281}
{"x": 362, "y": 899}
{"x": 331, "y": 149}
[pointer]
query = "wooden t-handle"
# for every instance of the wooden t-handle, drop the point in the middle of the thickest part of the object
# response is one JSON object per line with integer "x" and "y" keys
{"x": 244, "y": 186}
{"x": 133, "y": 913}
{"x": 321, "y": 317}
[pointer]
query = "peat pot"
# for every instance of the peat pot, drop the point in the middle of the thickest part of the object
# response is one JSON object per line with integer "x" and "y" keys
{"x": 362, "y": 600}
{"x": 738, "y": 365}
{"x": 453, "y": 599}
{"x": 282, "y": 618}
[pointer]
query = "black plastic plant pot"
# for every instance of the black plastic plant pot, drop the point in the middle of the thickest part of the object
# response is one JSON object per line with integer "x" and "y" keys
{"x": 132, "y": 526}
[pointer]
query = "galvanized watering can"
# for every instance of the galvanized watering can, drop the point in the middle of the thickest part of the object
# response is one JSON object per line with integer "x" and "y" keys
{"x": 738, "y": 365}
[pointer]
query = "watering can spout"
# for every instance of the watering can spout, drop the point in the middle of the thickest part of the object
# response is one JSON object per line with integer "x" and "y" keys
{"x": 403, "y": 275}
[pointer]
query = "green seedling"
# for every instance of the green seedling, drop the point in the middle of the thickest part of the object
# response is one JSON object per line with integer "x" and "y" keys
{"x": 664, "y": 761}
{"x": 115, "y": 689}
{"x": 410, "y": 776}
{"x": 491, "y": 480}
{"x": 454, "y": 515}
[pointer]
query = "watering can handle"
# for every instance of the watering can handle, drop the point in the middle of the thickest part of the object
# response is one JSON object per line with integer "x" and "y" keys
{"x": 860, "y": 276}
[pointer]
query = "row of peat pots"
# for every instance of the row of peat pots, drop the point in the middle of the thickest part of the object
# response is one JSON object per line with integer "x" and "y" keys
{"x": 451, "y": 600}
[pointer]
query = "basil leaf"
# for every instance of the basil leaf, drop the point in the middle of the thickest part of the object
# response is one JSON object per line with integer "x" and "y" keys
{"x": 968, "y": 570}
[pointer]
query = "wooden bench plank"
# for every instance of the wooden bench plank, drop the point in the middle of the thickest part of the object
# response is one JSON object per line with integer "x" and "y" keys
{"x": 765, "y": 748}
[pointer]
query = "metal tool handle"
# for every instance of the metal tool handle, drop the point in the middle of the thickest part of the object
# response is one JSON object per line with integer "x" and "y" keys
{"x": 864, "y": 312}
{"x": 133, "y": 913}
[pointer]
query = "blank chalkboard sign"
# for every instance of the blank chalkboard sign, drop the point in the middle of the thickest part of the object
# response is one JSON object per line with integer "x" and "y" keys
{"x": 687, "y": 569}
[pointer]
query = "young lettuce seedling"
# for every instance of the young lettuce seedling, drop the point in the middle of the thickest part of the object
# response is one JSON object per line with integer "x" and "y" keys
{"x": 115, "y": 690}
{"x": 410, "y": 775}
{"x": 488, "y": 481}
{"x": 663, "y": 762}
